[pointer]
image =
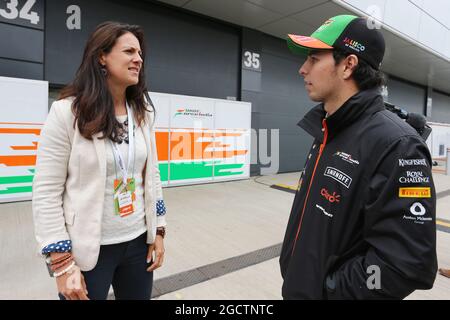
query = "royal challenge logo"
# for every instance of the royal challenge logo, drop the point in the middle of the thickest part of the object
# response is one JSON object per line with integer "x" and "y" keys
{"x": 412, "y": 177}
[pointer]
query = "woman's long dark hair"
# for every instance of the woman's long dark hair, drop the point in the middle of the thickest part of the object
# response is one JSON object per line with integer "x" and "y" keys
{"x": 93, "y": 106}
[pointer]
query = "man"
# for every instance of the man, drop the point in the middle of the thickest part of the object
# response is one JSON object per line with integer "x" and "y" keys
{"x": 362, "y": 224}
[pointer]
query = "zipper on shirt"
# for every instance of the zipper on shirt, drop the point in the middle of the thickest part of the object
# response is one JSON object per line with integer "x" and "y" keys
{"x": 322, "y": 146}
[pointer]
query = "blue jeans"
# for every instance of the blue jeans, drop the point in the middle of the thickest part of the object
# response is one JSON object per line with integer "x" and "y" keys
{"x": 123, "y": 266}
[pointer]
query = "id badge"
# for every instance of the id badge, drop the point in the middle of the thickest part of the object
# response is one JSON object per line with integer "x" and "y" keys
{"x": 124, "y": 197}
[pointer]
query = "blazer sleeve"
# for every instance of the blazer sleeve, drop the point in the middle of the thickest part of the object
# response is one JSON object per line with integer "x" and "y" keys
{"x": 159, "y": 201}
{"x": 49, "y": 180}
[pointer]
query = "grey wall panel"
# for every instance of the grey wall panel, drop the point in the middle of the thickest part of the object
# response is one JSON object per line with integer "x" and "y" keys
{"x": 441, "y": 108}
{"x": 282, "y": 78}
{"x": 294, "y": 148}
{"x": 185, "y": 54}
{"x": 251, "y": 80}
{"x": 21, "y": 43}
{"x": 407, "y": 96}
{"x": 21, "y": 69}
{"x": 282, "y": 100}
{"x": 287, "y": 124}
{"x": 285, "y": 105}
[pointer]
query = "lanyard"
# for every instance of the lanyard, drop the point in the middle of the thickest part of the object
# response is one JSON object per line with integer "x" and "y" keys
{"x": 118, "y": 155}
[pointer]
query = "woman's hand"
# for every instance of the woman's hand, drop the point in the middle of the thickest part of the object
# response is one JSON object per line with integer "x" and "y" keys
{"x": 71, "y": 285}
{"x": 158, "y": 248}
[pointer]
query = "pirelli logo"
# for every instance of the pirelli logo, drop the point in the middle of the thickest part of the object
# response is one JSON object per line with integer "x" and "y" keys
{"x": 414, "y": 193}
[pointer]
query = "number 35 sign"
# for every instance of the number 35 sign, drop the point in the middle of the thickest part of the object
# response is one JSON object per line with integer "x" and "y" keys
{"x": 251, "y": 60}
{"x": 23, "y": 12}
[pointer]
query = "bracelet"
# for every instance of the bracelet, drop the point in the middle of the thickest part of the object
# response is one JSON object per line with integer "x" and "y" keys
{"x": 161, "y": 231}
{"x": 61, "y": 259}
{"x": 62, "y": 264}
{"x": 59, "y": 274}
{"x": 57, "y": 266}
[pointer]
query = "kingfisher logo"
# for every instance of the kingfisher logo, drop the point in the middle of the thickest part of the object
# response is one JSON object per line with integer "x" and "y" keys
{"x": 354, "y": 45}
{"x": 192, "y": 113}
{"x": 412, "y": 162}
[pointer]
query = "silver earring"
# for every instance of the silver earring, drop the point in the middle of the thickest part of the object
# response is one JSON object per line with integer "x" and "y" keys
{"x": 104, "y": 71}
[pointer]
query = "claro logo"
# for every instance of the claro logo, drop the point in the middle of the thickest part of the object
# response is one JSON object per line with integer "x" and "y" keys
{"x": 330, "y": 197}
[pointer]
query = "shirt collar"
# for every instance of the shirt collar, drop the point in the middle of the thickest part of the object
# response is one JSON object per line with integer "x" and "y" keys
{"x": 369, "y": 101}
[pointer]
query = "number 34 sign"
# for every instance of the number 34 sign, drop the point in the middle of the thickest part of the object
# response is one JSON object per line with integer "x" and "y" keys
{"x": 22, "y": 12}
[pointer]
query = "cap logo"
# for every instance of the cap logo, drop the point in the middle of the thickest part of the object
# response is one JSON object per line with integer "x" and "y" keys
{"x": 354, "y": 45}
{"x": 325, "y": 24}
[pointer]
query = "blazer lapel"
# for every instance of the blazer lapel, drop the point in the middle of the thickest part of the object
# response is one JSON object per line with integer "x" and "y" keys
{"x": 146, "y": 134}
{"x": 100, "y": 148}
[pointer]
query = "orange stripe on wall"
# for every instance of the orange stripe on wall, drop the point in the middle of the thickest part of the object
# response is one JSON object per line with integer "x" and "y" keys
{"x": 20, "y": 131}
{"x": 219, "y": 134}
{"x": 203, "y": 129}
{"x": 220, "y": 145}
{"x": 162, "y": 145}
{"x": 224, "y": 154}
{"x": 23, "y": 124}
{"x": 17, "y": 161}
{"x": 185, "y": 146}
{"x": 33, "y": 147}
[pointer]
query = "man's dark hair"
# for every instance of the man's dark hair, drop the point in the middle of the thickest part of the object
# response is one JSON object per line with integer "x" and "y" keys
{"x": 364, "y": 75}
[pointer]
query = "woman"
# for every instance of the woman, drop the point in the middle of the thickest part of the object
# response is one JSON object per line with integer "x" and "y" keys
{"x": 97, "y": 197}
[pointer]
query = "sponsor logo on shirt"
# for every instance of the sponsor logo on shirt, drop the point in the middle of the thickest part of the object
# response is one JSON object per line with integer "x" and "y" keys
{"x": 414, "y": 193}
{"x": 330, "y": 197}
{"x": 339, "y": 176}
{"x": 414, "y": 177}
{"x": 418, "y": 211}
{"x": 346, "y": 157}
{"x": 412, "y": 162}
{"x": 323, "y": 211}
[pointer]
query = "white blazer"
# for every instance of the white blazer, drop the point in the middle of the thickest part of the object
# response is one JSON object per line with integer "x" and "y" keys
{"x": 69, "y": 186}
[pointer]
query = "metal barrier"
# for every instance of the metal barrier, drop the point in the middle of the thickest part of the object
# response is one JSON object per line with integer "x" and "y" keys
{"x": 447, "y": 163}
